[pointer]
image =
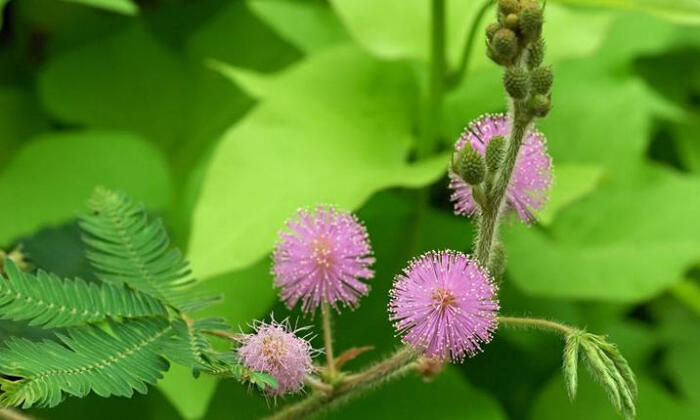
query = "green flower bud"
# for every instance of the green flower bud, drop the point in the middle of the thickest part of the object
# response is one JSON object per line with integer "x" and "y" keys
{"x": 516, "y": 81}
{"x": 536, "y": 54}
{"x": 530, "y": 21}
{"x": 541, "y": 79}
{"x": 491, "y": 30}
{"x": 508, "y": 6}
{"x": 494, "y": 153}
{"x": 469, "y": 165}
{"x": 540, "y": 105}
{"x": 511, "y": 21}
{"x": 504, "y": 46}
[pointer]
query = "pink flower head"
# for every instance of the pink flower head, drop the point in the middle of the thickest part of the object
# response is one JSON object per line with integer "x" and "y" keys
{"x": 532, "y": 175}
{"x": 445, "y": 305}
{"x": 277, "y": 351}
{"x": 321, "y": 259}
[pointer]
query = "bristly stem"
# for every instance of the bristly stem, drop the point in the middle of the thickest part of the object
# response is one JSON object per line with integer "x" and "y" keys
{"x": 328, "y": 339}
{"x": 390, "y": 368}
{"x": 541, "y": 324}
{"x": 457, "y": 76}
{"x": 520, "y": 120}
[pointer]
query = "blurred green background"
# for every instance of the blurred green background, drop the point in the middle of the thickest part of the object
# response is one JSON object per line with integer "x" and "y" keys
{"x": 225, "y": 116}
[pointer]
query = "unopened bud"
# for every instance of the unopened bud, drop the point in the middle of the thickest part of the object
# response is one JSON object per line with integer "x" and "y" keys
{"x": 516, "y": 82}
{"x": 541, "y": 79}
{"x": 469, "y": 165}
{"x": 530, "y": 21}
{"x": 540, "y": 105}
{"x": 491, "y": 30}
{"x": 535, "y": 55}
{"x": 504, "y": 46}
{"x": 511, "y": 21}
{"x": 494, "y": 153}
{"x": 507, "y": 7}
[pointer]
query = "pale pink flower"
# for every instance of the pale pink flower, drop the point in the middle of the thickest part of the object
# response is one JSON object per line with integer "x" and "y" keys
{"x": 276, "y": 350}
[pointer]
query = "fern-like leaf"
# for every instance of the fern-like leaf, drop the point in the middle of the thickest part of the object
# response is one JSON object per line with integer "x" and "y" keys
{"x": 48, "y": 301}
{"x": 126, "y": 247}
{"x": 190, "y": 347}
{"x": 87, "y": 359}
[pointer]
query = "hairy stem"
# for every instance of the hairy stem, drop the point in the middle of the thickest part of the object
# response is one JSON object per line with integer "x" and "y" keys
{"x": 317, "y": 384}
{"x": 540, "y": 324}
{"x": 328, "y": 339}
{"x": 469, "y": 44}
{"x": 352, "y": 385}
{"x": 490, "y": 214}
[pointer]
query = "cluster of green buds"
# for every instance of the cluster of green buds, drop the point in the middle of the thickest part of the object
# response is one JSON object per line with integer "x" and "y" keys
{"x": 515, "y": 42}
{"x": 17, "y": 257}
{"x": 476, "y": 169}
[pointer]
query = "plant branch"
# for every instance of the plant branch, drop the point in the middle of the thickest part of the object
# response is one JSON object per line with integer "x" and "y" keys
{"x": 535, "y": 323}
{"x": 317, "y": 384}
{"x": 463, "y": 66}
{"x": 390, "y": 368}
{"x": 490, "y": 214}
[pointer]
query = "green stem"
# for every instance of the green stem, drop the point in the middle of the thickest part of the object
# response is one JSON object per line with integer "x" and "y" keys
{"x": 328, "y": 340}
{"x": 469, "y": 44}
{"x": 541, "y": 324}
{"x": 432, "y": 115}
{"x": 436, "y": 86}
{"x": 390, "y": 368}
{"x": 490, "y": 214}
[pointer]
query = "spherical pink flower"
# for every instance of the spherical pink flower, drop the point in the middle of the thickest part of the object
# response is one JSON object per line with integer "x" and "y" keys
{"x": 444, "y": 304}
{"x": 277, "y": 351}
{"x": 321, "y": 258}
{"x": 532, "y": 175}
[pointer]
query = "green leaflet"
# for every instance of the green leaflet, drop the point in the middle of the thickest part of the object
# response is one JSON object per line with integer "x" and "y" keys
{"x": 51, "y": 302}
{"x": 125, "y": 247}
{"x": 86, "y": 359}
{"x": 570, "y": 364}
{"x": 607, "y": 366}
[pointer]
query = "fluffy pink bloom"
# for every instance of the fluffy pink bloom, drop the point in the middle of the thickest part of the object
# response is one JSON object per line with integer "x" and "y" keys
{"x": 445, "y": 305}
{"x": 532, "y": 175}
{"x": 321, "y": 258}
{"x": 277, "y": 351}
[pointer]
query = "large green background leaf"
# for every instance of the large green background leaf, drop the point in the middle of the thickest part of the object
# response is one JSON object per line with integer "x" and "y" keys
{"x": 49, "y": 180}
{"x": 335, "y": 129}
